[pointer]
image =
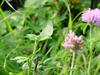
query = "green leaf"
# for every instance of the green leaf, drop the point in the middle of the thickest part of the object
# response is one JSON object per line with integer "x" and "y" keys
{"x": 98, "y": 5}
{"x": 46, "y": 32}
{"x": 95, "y": 61}
{"x": 97, "y": 46}
{"x": 17, "y": 20}
{"x": 34, "y": 3}
{"x": 20, "y": 59}
{"x": 31, "y": 36}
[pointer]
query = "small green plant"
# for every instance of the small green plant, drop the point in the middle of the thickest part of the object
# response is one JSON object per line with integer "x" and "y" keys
{"x": 32, "y": 38}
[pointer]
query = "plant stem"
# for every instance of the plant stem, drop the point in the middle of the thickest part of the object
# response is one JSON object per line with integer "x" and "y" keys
{"x": 90, "y": 52}
{"x": 90, "y": 39}
{"x": 77, "y": 16}
{"x": 70, "y": 22}
{"x": 31, "y": 69}
{"x": 30, "y": 72}
{"x": 6, "y": 21}
{"x": 88, "y": 70}
{"x": 72, "y": 64}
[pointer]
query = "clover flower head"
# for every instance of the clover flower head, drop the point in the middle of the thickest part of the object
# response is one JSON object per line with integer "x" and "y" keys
{"x": 92, "y": 16}
{"x": 72, "y": 41}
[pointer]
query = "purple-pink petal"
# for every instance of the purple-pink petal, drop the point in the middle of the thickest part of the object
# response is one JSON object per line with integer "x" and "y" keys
{"x": 72, "y": 41}
{"x": 92, "y": 16}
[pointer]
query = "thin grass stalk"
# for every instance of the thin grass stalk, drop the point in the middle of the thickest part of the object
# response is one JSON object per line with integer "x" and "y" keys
{"x": 72, "y": 64}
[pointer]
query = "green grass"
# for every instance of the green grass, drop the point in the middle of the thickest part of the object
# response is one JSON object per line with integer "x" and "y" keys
{"x": 31, "y": 39}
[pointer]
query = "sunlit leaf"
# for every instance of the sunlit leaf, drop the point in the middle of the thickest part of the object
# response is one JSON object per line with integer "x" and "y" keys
{"x": 46, "y": 32}
{"x": 20, "y": 59}
{"x": 31, "y": 36}
{"x": 34, "y": 3}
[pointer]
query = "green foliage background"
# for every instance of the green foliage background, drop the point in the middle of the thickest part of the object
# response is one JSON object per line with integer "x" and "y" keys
{"x": 31, "y": 38}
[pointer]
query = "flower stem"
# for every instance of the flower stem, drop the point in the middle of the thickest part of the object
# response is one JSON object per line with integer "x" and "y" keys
{"x": 90, "y": 51}
{"x": 72, "y": 64}
{"x": 90, "y": 40}
{"x": 32, "y": 71}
